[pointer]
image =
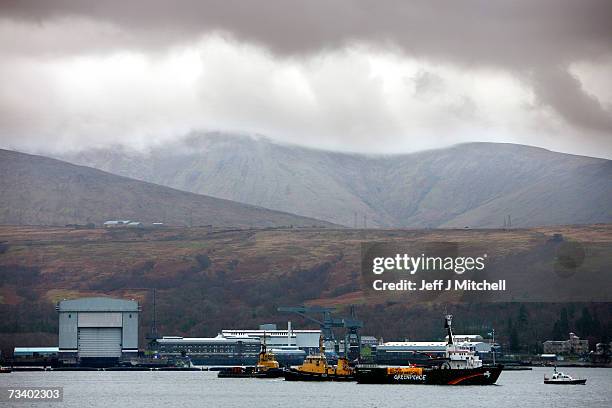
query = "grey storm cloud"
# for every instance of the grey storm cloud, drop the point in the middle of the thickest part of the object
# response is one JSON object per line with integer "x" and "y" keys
{"x": 561, "y": 90}
{"x": 536, "y": 41}
{"x": 517, "y": 33}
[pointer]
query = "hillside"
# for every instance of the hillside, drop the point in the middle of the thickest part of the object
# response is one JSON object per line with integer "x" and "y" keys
{"x": 36, "y": 190}
{"x": 209, "y": 280}
{"x": 475, "y": 184}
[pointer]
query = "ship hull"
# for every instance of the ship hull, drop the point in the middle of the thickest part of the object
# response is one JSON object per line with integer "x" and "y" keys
{"x": 270, "y": 373}
{"x": 431, "y": 376}
{"x": 250, "y": 372}
{"x": 567, "y": 382}
{"x": 295, "y": 375}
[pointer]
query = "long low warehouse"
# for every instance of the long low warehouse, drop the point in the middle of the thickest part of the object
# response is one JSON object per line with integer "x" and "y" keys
{"x": 235, "y": 347}
{"x": 402, "y": 352}
{"x": 35, "y": 352}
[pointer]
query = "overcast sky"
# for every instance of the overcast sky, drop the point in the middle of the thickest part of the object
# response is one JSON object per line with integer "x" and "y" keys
{"x": 366, "y": 76}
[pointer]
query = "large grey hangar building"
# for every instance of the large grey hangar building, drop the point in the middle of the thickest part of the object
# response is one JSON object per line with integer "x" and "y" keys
{"x": 97, "y": 330}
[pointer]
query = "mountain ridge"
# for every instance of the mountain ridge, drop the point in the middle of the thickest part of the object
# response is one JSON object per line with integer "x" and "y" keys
{"x": 469, "y": 184}
{"x": 41, "y": 190}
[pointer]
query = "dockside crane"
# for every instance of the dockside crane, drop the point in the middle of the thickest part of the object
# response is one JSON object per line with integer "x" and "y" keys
{"x": 352, "y": 338}
{"x": 327, "y": 323}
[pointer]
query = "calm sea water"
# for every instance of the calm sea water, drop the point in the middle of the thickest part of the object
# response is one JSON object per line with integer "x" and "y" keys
{"x": 203, "y": 389}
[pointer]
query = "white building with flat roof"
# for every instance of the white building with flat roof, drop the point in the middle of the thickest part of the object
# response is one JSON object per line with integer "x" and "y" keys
{"x": 303, "y": 339}
{"x": 466, "y": 337}
{"x": 432, "y": 346}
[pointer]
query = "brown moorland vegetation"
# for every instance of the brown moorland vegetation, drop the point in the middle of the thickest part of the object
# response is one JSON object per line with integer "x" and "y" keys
{"x": 209, "y": 279}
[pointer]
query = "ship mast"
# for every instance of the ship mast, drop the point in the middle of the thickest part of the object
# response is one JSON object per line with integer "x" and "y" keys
{"x": 493, "y": 345}
{"x": 447, "y": 325}
{"x": 264, "y": 348}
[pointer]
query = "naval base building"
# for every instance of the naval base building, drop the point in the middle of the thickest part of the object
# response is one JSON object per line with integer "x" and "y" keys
{"x": 97, "y": 331}
{"x": 242, "y": 347}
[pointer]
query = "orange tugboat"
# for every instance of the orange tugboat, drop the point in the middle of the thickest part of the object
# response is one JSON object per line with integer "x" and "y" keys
{"x": 316, "y": 368}
{"x": 267, "y": 366}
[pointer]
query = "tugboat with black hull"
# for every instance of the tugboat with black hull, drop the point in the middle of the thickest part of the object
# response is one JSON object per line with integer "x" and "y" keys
{"x": 460, "y": 366}
{"x": 317, "y": 368}
{"x": 267, "y": 367}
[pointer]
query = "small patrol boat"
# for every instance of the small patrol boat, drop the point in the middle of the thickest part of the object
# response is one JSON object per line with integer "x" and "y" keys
{"x": 317, "y": 368}
{"x": 560, "y": 378}
{"x": 5, "y": 370}
{"x": 460, "y": 366}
